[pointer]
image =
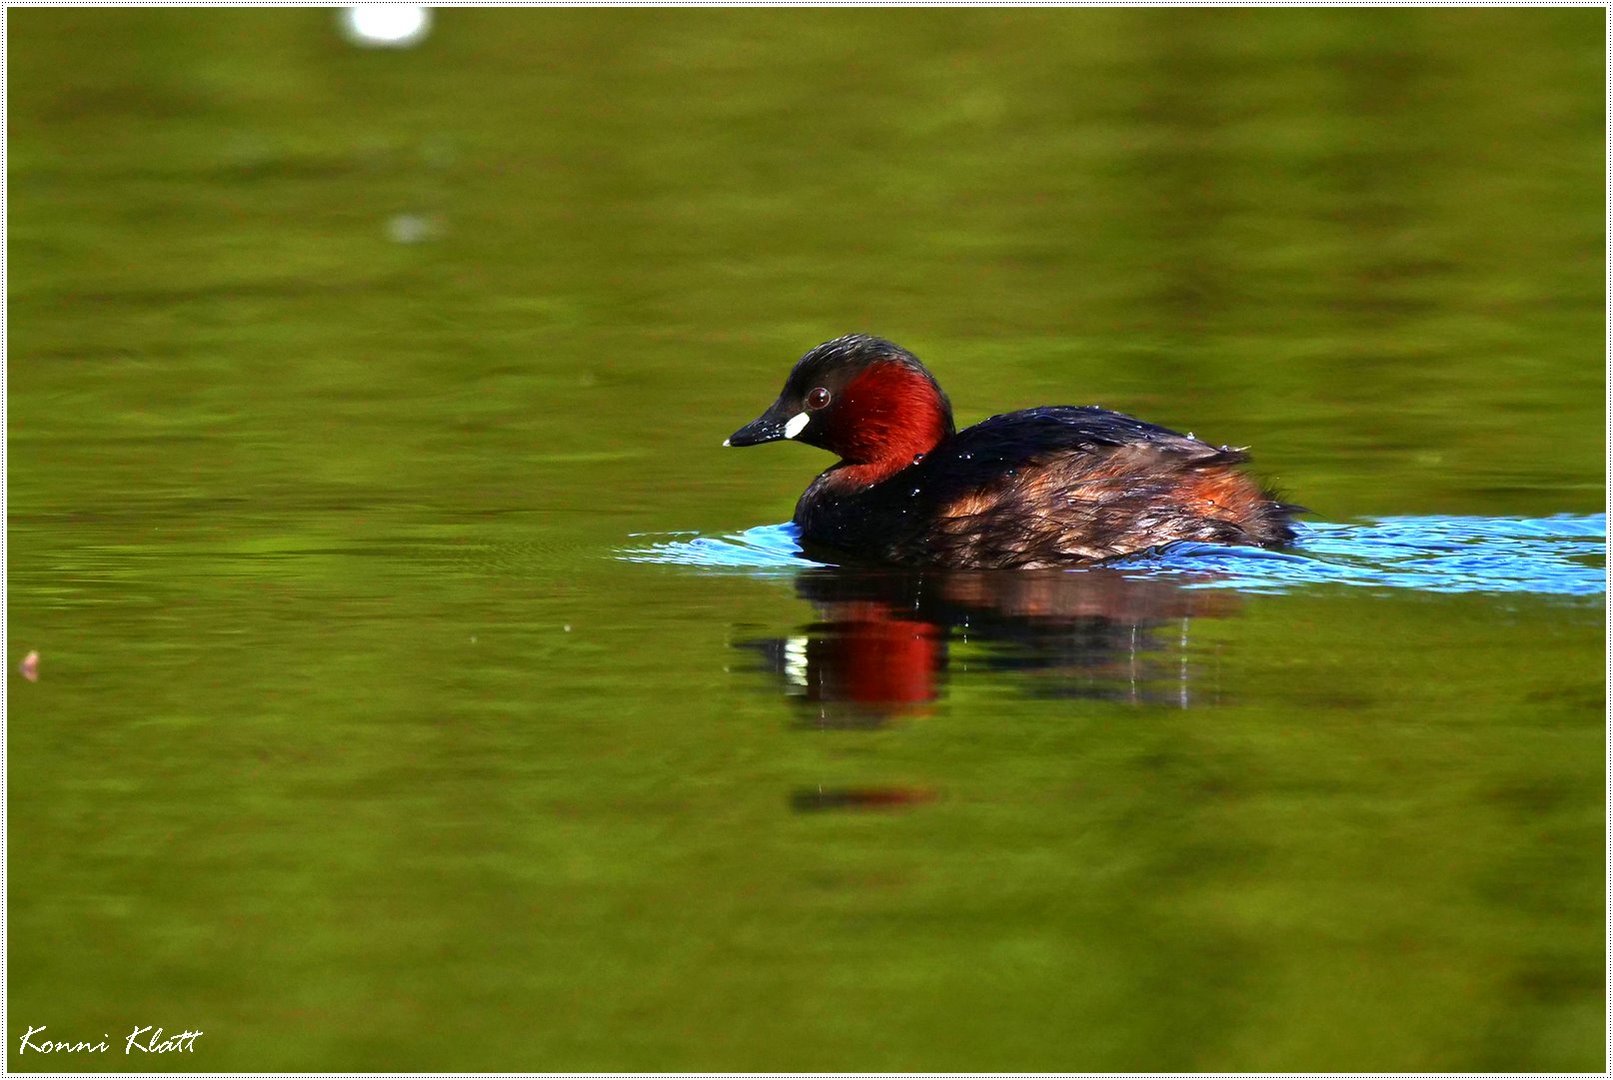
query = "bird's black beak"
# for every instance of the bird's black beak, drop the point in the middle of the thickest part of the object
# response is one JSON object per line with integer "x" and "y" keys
{"x": 771, "y": 426}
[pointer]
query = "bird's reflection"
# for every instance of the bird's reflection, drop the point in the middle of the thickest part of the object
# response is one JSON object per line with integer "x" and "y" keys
{"x": 888, "y": 643}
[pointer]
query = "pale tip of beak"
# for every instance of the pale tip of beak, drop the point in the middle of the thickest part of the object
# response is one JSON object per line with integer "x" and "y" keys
{"x": 725, "y": 442}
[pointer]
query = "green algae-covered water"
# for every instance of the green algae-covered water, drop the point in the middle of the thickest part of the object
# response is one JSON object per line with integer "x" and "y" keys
{"x": 420, "y": 685}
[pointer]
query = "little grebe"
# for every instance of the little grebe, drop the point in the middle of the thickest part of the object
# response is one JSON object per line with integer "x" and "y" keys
{"x": 1055, "y": 486}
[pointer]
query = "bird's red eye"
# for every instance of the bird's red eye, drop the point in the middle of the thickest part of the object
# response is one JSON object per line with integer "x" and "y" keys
{"x": 817, "y": 398}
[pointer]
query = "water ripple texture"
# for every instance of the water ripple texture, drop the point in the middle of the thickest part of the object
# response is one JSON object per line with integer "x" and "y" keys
{"x": 1563, "y": 555}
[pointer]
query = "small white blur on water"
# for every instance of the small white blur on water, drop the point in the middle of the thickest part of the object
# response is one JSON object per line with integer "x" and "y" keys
{"x": 393, "y": 26}
{"x": 385, "y": 26}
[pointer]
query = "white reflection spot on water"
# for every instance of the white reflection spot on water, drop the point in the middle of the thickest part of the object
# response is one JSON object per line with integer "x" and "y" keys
{"x": 795, "y": 664}
{"x": 410, "y": 228}
{"x": 386, "y": 26}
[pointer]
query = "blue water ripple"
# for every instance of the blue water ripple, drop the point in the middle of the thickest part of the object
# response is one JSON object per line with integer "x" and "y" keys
{"x": 1564, "y": 555}
{"x": 763, "y": 548}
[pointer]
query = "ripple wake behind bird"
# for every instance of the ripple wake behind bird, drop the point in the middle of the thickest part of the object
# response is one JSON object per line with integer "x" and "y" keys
{"x": 1562, "y": 555}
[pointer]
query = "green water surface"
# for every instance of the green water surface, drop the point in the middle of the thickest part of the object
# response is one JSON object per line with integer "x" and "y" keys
{"x": 339, "y": 378}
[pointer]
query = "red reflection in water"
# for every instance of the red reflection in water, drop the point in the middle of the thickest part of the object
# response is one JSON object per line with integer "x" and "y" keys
{"x": 813, "y": 800}
{"x": 885, "y": 641}
{"x": 869, "y": 654}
